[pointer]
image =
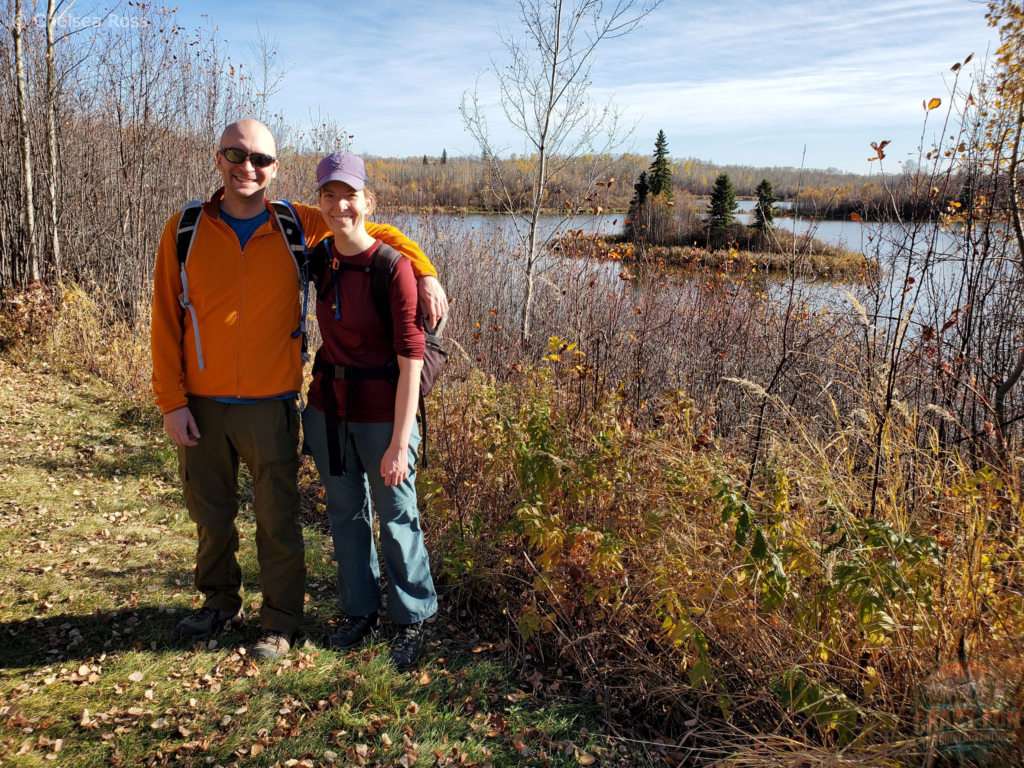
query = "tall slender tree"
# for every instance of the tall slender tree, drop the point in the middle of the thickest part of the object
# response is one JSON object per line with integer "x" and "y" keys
{"x": 52, "y": 9}
{"x": 640, "y": 192}
{"x": 723, "y": 203}
{"x": 544, "y": 93}
{"x": 444, "y": 157}
{"x": 28, "y": 214}
{"x": 660, "y": 175}
{"x": 764, "y": 214}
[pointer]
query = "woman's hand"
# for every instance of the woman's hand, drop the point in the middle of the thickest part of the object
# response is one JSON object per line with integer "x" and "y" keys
{"x": 394, "y": 467}
{"x": 433, "y": 299}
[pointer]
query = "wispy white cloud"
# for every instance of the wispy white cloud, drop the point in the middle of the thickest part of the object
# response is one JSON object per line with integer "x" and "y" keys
{"x": 749, "y": 80}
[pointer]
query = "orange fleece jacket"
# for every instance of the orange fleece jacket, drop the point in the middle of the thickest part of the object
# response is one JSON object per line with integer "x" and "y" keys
{"x": 247, "y": 306}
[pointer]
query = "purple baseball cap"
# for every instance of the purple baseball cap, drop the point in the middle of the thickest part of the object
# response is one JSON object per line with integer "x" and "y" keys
{"x": 341, "y": 166}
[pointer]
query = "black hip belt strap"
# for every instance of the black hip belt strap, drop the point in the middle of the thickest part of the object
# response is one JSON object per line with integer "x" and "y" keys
{"x": 352, "y": 374}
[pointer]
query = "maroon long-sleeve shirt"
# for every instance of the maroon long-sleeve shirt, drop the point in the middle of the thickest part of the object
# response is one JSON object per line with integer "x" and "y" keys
{"x": 359, "y": 339}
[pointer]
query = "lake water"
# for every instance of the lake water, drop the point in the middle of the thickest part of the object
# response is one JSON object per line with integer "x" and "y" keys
{"x": 886, "y": 242}
{"x": 847, "y": 234}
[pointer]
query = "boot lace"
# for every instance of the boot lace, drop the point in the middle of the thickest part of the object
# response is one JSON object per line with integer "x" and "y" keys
{"x": 407, "y": 638}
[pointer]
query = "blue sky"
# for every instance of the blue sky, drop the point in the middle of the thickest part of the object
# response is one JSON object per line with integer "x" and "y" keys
{"x": 738, "y": 81}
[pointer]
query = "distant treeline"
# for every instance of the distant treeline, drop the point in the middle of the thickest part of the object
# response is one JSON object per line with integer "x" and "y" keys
{"x": 466, "y": 183}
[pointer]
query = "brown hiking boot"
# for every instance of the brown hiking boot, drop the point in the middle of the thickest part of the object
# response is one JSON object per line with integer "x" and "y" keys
{"x": 271, "y": 646}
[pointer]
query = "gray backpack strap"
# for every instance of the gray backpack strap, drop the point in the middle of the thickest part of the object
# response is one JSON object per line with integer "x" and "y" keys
{"x": 188, "y": 225}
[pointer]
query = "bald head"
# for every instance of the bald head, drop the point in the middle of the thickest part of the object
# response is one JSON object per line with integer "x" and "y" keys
{"x": 250, "y": 135}
{"x": 245, "y": 182}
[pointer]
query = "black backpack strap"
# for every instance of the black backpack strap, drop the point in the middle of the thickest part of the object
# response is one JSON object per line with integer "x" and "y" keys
{"x": 384, "y": 262}
{"x": 382, "y": 269}
{"x": 336, "y": 269}
{"x": 423, "y": 425}
{"x": 329, "y": 373}
{"x": 291, "y": 228}
{"x": 319, "y": 260}
{"x": 335, "y": 449}
{"x": 295, "y": 238}
{"x": 187, "y": 226}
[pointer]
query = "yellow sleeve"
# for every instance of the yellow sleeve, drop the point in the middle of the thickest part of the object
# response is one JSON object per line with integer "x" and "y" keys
{"x": 316, "y": 229}
{"x": 313, "y": 224}
{"x": 421, "y": 265}
{"x": 167, "y": 328}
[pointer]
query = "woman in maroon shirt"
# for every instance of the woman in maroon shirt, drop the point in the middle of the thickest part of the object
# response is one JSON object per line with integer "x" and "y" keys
{"x": 361, "y": 424}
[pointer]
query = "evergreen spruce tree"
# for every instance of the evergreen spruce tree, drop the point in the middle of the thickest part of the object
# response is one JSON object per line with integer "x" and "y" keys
{"x": 723, "y": 203}
{"x": 764, "y": 214}
{"x": 444, "y": 157}
{"x": 660, "y": 177}
{"x": 640, "y": 192}
{"x": 424, "y": 159}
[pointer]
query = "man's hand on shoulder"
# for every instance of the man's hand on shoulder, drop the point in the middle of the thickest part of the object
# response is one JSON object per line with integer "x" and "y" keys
{"x": 181, "y": 427}
{"x": 433, "y": 299}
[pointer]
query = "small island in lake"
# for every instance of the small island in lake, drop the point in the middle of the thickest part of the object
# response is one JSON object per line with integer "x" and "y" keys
{"x": 683, "y": 230}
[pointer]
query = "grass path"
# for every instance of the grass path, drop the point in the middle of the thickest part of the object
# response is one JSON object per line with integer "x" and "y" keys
{"x": 96, "y": 555}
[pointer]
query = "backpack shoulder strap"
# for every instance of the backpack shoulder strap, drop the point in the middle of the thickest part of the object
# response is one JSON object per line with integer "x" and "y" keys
{"x": 187, "y": 226}
{"x": 294, "y": 236}
{"x": 319, "y": 260}
{"x": 382, "y": 269}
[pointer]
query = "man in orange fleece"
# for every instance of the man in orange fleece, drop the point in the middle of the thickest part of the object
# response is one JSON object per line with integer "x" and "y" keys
{"x": 226, "y": 372}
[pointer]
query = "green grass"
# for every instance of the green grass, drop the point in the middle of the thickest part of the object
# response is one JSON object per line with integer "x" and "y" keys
{"x": 96, "y": 556}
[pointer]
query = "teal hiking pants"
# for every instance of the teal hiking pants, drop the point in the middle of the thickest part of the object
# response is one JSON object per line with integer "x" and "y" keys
{"x": 411, "y": 595}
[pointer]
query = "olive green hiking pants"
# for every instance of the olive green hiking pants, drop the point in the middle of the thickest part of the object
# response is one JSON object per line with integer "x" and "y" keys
{"x": 265, "y": 435}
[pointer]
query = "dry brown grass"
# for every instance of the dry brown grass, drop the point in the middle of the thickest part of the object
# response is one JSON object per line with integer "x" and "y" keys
{"x": 595, "y": 531}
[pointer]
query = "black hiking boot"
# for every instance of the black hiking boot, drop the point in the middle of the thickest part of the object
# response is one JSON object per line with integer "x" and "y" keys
{"x": 405, "y": 650}
{"x": 205, "y": 622}
{"x": 351, "y": 631}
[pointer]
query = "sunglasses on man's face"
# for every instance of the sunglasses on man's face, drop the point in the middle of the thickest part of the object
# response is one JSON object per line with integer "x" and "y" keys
{"x": 238, "y": 156}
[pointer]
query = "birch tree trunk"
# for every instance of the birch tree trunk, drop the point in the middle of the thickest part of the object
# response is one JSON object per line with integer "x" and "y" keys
{"x": 541, "y": 180}
{"x": 21, "y": 104}
{"x": 51, "y": 133}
